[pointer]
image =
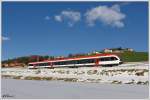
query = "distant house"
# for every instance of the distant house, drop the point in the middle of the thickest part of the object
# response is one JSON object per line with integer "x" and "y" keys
{"x": 59, "y": 57}
{"x": 107, "y": 50}
{"x": 117, "y": 50}
{"x": 129, "y": 49}
{"x": 93, "y": 52}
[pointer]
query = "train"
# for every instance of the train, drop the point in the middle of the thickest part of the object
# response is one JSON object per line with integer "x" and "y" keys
{"x": 82, "y": 61}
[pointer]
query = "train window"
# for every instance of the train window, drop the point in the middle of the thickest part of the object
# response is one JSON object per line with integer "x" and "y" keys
{"x": 42, "y": 64}
{"x": 59, "y": 63}
{"x": 74, "y": 62}
{"x": 101, "y": 59}
{"x": 71, "y": 62}
{"x": 46, "y": 64}
{"x": 49, "y": 64}
{"x": 108, "y": 59}
{"x": 56, "y": 63}
{"x": 114, "y": 58}
{"x": 105, "y": 59}
{"x": 90, "y": 60}
{"x": 82, "y": 61}
{"x": 63, "y": 63}
{"x": 85, "y": 61}
{"x": 38, "y": 64}
{"x": 77, "y": 61}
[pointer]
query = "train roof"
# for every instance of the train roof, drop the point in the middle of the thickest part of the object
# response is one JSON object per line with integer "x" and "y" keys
{"x": 72, "y": 58}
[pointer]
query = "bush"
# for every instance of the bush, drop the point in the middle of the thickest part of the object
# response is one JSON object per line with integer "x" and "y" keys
{"x": 32, "y": 78}
{"x": 116, "y": 82}
{"x": 17, "y": 77}
{"x": 90, "y": 72}
{"x": 47, "y": 78}
{"x": 141, "y": 73}
{"x": 70, "y": 79}
{"x": 140, "y": 82}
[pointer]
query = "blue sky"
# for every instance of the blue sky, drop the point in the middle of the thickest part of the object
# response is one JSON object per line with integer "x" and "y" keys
{"x": 60, "y": 28}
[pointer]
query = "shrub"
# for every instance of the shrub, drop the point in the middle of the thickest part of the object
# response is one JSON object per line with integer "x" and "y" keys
{"x": 60, "y": 71}
{"x": 6, "y": 76}
{"x": 38, "y": 71}
{"x": 67, "y": 72}
{"x": 116, "y": 82}
{"x": 130, "y": 82}
{"x": 70, "y": 79}
{"x": 17, "y": 77}
{"x": 32, "y": 78}
{"x": 90, "y": 72}
{"x": 140, "y": 73}
{"x": 47, "y": 78}
{"x": 139, "y": 82}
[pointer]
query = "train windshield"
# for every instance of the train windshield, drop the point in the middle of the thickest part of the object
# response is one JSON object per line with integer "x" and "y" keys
{"x": 108, "y": 59}
{"x": 30, "y": 65}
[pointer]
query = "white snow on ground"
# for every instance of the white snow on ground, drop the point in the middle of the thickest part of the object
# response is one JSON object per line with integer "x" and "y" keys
{"x": 129, "y": 73}
{"x": 31, "y": 89}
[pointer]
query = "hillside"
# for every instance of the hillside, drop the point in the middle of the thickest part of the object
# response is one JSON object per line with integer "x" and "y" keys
{"x": 134, "y": 56}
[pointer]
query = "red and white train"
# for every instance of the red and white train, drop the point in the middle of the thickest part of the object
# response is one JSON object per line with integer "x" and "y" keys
{"x": 95, "y": 60}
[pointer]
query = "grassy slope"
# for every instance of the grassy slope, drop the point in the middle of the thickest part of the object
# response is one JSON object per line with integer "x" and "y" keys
{"x": 134, "y": 56}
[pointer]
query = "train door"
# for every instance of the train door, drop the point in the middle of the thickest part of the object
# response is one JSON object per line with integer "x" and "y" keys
{"x": 34, "y": 66}
{"x": 96, "y": 62}
{"x": 49, "y": 64}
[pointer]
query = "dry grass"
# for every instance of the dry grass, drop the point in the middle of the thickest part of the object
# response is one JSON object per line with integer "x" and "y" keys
{"x": 90, "y": 72}
{"x": 6, "y": 76}
{"x": 130, "y": 82}
{"x": 79, "y": 73}
{"x": 47, "y": 78}
{"x": 32, "y": 78}
{"x": 143, "y": 83}
{"x": 116, "y": 82}
{"x": 70, "y": 79}
{"x": 17, "y": 77}
{"x": 61, "y": 71}
{"x": 140, "y": 73}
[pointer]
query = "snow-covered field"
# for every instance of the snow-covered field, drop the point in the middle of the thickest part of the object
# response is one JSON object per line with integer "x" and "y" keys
{"x": 37, "y": 89}
{"x": 129, "y": 73}
{"x": 81, "y": 83}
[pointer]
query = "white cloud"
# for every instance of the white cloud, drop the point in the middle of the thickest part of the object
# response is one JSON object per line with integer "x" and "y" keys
{"x": 47, "y": 18}
{"x": 71, "y": 17}
{"x": 5, "y": 38}
{"x": 107, "y": 15}
{"x": 58, "y": 18}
